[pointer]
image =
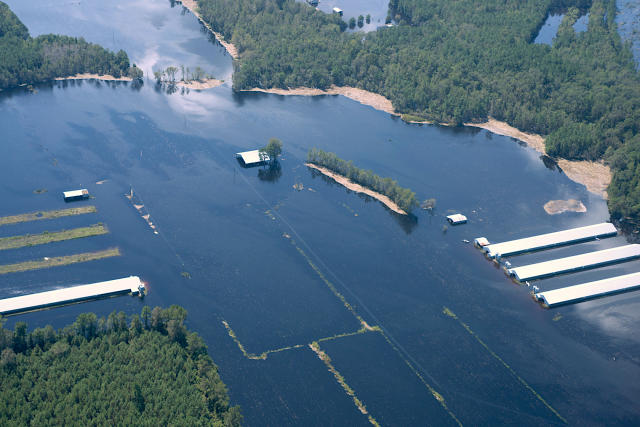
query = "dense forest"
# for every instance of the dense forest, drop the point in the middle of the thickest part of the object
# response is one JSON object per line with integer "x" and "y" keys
{"x": 146, "y": 370}
{"x": 461, "y": 61}
{"x": 403, "y": 197}
{"x": 26, "y": 60}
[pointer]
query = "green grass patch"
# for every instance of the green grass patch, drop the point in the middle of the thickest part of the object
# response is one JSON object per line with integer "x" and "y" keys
{"x": 35, "y": 216}
{"x": 413, "y": 118}
{"x": 14, "y": 242}
{"x": 58, "y": 261}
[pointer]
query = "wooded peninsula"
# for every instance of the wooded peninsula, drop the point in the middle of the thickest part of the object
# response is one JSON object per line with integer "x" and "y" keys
{"x": 145, "y": 369}
{"x": 28, "y": 60}
{"x": 404, "y": 198}
{"x": 462, "y": 61}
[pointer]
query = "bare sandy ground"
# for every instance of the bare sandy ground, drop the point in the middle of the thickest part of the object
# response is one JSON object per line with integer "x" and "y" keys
{"x": 555, "y": 207}
{"x": 87, "y": 76}
{"x": 192, "y": 5}
{"x": 202, "y": 84}
{"x": 501, "y": 128}
{"x": 362, "y": 96}
{"x": 357, "y": 187}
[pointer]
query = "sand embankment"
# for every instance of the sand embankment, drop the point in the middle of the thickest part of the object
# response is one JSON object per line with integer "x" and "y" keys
{"x": 200, "y": 84}
{"x": 596, "y": 176}
{"x": 362, "y": 96}
{"x": 88, "y": 76}
{"x": 192, "y": 5}
{"x": 342, "y": 180}
{"x": 555, "y": 207}
{"x": 501, "y": 128}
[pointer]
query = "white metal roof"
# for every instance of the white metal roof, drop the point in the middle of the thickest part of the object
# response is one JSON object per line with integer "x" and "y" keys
{"x": 76, "y": 193}
{"x": 254, "y": 156}
{"x": 590, "y": 290}
{"x": 551, "y": 239}
{"x": 337, "y": 10}
{"x": 457, "y": 218}
{"x": 482, "y": 241}
{"x": 74, "y": 293}
{"x": 576, "y": 262}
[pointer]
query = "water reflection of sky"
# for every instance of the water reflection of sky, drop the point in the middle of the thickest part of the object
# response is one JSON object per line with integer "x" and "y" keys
{"x": 549, "y": 29}
{"x": 228, "y": 228}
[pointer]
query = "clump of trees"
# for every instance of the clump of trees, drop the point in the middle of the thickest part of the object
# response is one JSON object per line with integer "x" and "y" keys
{"x": 27, "y": 60}
{"x": 460, "y": 61}
{"x": 144, "y": 369}
{"x": 173, "y": 74}
{"x": 273, "y": 149}
{"x": 403, "y": 197}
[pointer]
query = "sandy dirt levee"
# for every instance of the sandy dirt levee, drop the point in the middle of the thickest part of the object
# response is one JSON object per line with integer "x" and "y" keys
{"x": 201, "y": 84}
{"x": 88, "y": 76}
{"x": 596, "y": 176}
{"x": 501, "y": 128}
{"x": 362, "y": 96}
{"x": 342, "y": 180}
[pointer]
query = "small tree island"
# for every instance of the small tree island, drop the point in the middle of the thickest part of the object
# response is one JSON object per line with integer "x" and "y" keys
{"x": 144, "y": 370}
{"x": 273, "y": 149}
{"x": 401, "y": 198}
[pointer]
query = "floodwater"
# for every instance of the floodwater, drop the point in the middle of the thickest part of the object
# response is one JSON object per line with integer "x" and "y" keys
{"x": 581, "y": 24}
{"x": 549, "y": 29}
{"x": 376, "y": 9}
{"x": 272, "y": 261}
{"x": 628, "y": 20}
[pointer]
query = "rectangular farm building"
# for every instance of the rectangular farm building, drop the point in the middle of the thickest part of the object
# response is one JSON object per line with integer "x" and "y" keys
{"x": 544, "y": 241}
{"x": 589, "y": 290}
{"x": 576, "y": 263}
{"x": 131, "y": 284}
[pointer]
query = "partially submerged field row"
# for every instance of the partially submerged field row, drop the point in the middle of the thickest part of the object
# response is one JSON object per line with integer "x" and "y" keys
{"x": 15, "y": 242}
{"x": 58, "y": 261}
{"x": 35, "y": 216}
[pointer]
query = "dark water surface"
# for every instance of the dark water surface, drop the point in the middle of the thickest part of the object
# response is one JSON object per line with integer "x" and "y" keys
{"x": 261, "y": 255}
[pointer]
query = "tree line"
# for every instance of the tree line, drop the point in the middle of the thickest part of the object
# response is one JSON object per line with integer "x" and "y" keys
{"x": 461, "y": 61}
{"x": 144, "y": 369}
{"x": 27, "y": 60}
{"x": 403, "y": 197}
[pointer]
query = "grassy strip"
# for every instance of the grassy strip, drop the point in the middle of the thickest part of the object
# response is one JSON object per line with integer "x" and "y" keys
{"x": 451, "y": 314}
{"x": 338, "y": 376}
{"x": 57, "y": 261}
{"x": 34, "y": 216}
{"x": 14, "y": 242}
{"x": 265, "y": 354}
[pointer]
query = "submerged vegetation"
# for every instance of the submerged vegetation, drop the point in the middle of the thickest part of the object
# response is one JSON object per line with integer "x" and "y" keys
{"x": 461, "y": 61}
{"x": 403, "y": 197}
{"x": 58, "y": 261}
{"x": 34, "y": 216}
{"x": 144, "y": 370}
{"x": 14, "y": 242}
{"x": 27, "y": 60}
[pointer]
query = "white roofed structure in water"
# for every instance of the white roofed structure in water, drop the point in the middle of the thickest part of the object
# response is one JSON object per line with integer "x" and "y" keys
{"x": 457, "y": 219}
{"x": 550, "y": 240}
{"x": 590, "y": 290}
{"x": 76, "y": 194}
{"x": 576, "y": 262}
{"x": 131, "y": 284}
{"x": 253, "y": 157}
